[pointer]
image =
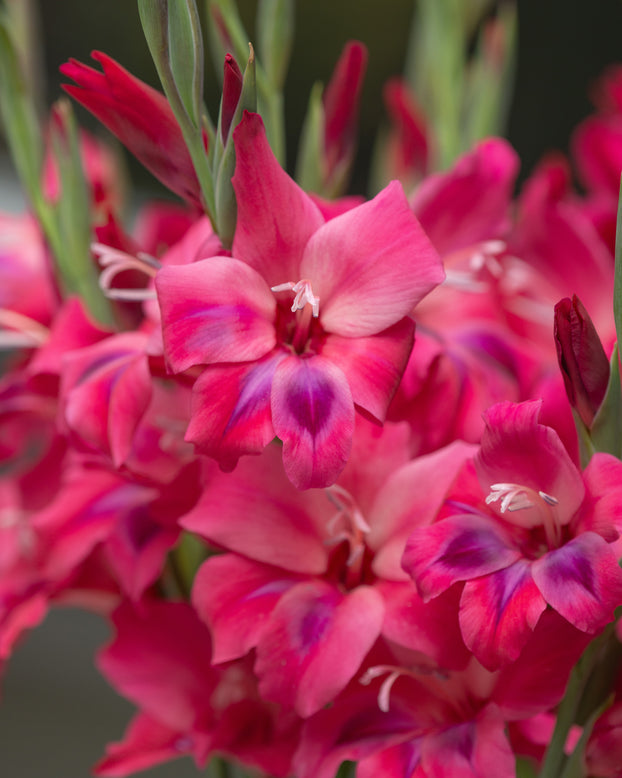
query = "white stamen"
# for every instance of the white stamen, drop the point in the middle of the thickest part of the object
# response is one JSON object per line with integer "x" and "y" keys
{"x": 304, "y": 295}
{"x": 515, "y": 497}
{"x": 114, "y": 262}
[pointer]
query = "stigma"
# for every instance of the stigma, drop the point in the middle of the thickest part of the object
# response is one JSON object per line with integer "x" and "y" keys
{"x": 304, "y": 295}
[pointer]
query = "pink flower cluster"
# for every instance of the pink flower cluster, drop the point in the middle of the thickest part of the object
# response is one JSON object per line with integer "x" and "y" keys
{"x": 326, "y": 483}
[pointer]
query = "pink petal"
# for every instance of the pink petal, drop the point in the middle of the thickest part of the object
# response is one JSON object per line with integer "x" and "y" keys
{"x": 313, "y": 414}
{"x": 431, "y": 628}
{"x": 231, "y": 409}
{"x": 498, "y": 613}
{"x": 275, "y": 217}
{"x": 455, "y": 549}
{"x": 469, "y": 203}
{"x": 410, "y": 498}
{"x": 160, "y": 660}
{"x": 473, "y": 749}
{"x": 371, "y": 265}
{"x": 215, "y": 310}
{"x": 517, "y": 449}
{"x": 288, "y": 529}
{"x": 374, "y": 364}
{"x": 316, "y": 642}
{"x": 582, "y": 581}
{"x": 146, "y": 743}
{"x": 235, "y": 598}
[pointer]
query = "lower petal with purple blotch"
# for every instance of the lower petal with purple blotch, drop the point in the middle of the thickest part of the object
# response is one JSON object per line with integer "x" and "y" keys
{"x": 456, "y": 549}
{"x": 498, "y": 613}
{"x": 315, "y": 643}
{"x": 582, "y": 581}
{"x": 313, "y": 414}
{"x": 231, "y": 410}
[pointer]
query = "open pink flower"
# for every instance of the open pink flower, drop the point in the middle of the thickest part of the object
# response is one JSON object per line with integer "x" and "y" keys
{"x": 547, "y": 543}
{"x": 306, "y": 322}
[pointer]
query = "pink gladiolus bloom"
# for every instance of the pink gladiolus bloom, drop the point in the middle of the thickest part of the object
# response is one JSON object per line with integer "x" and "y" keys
{"x": 306, "y": 322}
{"x": 140, "y": 117}
{"x": 548, "y": 542}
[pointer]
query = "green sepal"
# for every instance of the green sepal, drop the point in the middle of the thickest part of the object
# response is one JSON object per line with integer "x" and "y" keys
{"x": 606, "y": 432}
{"x": 310, "y": 163}
{"x": 275, "y": 37}
{"x": 154, "y": 17}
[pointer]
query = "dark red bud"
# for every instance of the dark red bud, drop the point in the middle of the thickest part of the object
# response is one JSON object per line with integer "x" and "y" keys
{"x": 582, "y": 358}
{"x": 231, "y": 91}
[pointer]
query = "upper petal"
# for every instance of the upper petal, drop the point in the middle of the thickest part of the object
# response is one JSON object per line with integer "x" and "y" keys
{"x": 276, "y": 217}
{"x": 215, "y": 310}
{"x": 371, "y": 265}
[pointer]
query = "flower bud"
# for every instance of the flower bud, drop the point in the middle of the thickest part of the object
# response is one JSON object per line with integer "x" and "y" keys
{"x": 582, "y": 359}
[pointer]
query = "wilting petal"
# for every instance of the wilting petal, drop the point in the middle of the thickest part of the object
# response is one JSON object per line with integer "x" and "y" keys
{"x": 582, "y": 581}
{"x": 316, "y": 641}
{"x": 313, "y": 414}
{"x": 373, "y": 365}
{"x": 288, "y": 528}
{"x": 517, "y": 449}
{"x": 231, "y": 409}
{"x": 455, "y": 549}
{"x": 140, "y": 117}
{"x": 371, "y": 265}
{"x": 235, "y": 598}
{"x": 215, "y": 310}
{"x": 276, "y": 217}
{"x": 498, "y": 613}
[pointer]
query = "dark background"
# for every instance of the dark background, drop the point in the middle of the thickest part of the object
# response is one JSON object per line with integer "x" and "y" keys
{"x": 57, "y": 713}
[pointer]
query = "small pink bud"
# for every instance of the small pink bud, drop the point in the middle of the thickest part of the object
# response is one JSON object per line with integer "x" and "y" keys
{"x": 582, "y": 358}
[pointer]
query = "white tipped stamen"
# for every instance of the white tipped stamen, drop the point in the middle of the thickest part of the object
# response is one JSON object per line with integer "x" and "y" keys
{"x": 114, "y": 262}
{"x": 515, "y": 497}
{"x": 304, "y": 295}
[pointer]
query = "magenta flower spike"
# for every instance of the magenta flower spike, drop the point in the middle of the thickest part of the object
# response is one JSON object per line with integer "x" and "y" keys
{"x": 307, "y": 322}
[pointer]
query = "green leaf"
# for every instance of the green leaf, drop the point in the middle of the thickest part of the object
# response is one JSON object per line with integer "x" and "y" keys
{"x": 275, "y": 36}
{"x": 186, "y": 55}
{"x": 606, "y": 429}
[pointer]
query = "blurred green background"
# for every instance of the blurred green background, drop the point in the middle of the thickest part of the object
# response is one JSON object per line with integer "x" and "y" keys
{"x": 56, "y": 713}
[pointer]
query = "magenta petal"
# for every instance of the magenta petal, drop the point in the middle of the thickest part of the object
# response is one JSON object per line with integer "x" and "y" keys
{"x": 371, "y": 265}
{"x": 215, "y": 310}
{"x": 517, "y": 449}
{"x": 374, "y": 365}
{"x": 235, "y": 598}
{"x": 473, "y": 749}
{"x": 276, "y": 217}
{"x": 498, "y": 614}
{"x": 313, "y": 414}
{"x": 146, "y": 743}
{"x": 455, "y": 549}
{"x": 316, "y": 641}
{"x": 231, "y": 409}
{"x": 582, "y": 581}
{"x": 288, "y": 528}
